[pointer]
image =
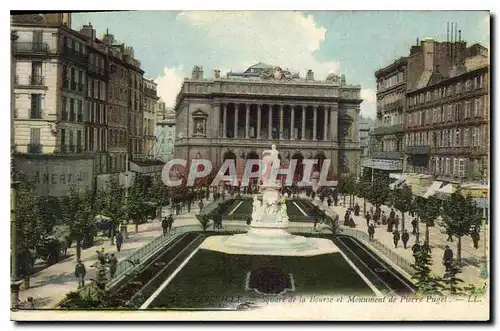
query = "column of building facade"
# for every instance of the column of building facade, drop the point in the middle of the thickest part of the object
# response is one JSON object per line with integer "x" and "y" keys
{"x": 281, "y": 121}
{"x": 224, "y": 120}
{"x": 303, "y": 136}
{"x": 334, "y": 121}
{"x": 292, "y": 122}
{"x": 315, "y": 123}
{"x": 270, "y": 123}
{"x": 236, "y": 120}
{"x": 247, "y": 120}
{"x": 259, "y": 120}
{"x": 325, "y": 125}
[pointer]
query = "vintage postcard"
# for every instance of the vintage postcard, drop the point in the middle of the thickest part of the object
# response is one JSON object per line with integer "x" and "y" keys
{"x": 250, "y": 165}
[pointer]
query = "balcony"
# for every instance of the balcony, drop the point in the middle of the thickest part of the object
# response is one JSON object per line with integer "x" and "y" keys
{"x": 75, "y": 56}
{"x": 34, "y": 148}
{"x": 33, "y": 81}
{"x": 392, "y": 155}
{"x": 418, "y": 150}
{"x": 101, "y": 72}
{"x": 397, "y": 105}
{"x": 386, "y": 130}
{"x": 30, "y": 48}
{"x": 150, "y": 93}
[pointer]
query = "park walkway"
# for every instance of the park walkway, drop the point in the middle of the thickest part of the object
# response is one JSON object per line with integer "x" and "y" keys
{"x": 472, "y": 258}
{"x": 50, "y": 285}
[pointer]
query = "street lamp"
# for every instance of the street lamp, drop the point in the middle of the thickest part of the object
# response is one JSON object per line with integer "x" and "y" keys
{"x": 15, "y": 283}
{"x": 484, "y": 270}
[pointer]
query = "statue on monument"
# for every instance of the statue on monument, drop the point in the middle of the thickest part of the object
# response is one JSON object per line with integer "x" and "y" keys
{"x": 270, "y": 161}
{"x": 257, "y": 209}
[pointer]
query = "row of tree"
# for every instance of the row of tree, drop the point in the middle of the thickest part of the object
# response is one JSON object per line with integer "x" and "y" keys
{"x": 47, "y": 226}
{"x": 459, "y": 213}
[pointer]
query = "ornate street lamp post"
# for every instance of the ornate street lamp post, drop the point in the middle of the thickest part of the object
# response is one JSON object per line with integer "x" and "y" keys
{"x": 484, "y": 270}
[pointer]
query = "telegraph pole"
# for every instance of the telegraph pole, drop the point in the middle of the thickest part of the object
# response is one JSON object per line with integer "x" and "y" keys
{"x": 484, "y": 270}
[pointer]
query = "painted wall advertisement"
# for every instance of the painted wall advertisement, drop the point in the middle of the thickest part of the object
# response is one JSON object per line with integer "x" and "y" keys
{"x": 56, "y": 176}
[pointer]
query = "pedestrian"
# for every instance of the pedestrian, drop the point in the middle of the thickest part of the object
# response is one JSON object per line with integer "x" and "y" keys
{"x": 392, "y": 214}
{"x": 113, "y": 262}
{"x": 164, "y": 225}
{"x": 371, "y": 231}
{"x": 405, "y": 237}
{"x": 80, "y": 272}
{"x": 384, "y": 218}
{"x": 119, "y": 241}
{"x": 368, "y": 218}
{"x": 450, "y": 235}
{"x": 315, "y": 223}
{"x": 395, "y": 237}
{"x": 30, "y": 304}
{"x": 356, "y": 209}
{"x": 371, "y": 211}
{"x": 475, "y": 238}
{"x": 329, "y": 201}
{"x": 396, "y": 222}
{"x": 447, "y": 258}
{"x": 189, "y": 206}
{"x": 414, "y": 224}
{"x": 351, "y": 223}
{"x": 416, "y": 249}
{"x": 346, "y": 218}
{"x": 201, "y": 205}
{"x": 101, "y": 257}
{"x": 170, "y": 222}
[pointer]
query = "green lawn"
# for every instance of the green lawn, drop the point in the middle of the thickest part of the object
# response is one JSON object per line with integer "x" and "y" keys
{"x": 217, "y": 280}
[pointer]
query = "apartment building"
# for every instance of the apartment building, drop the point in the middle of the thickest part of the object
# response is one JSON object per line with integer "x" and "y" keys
{"x": 149, "y": 116}
{"x": 50, "y": 77}
{"x": 387, "y": 136}
{"x": 448, "y": 121}
{"x": 165, "y": 133}
{"x": 136, "y": 104}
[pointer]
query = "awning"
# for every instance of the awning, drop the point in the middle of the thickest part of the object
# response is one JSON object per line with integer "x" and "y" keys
{"x": 447, "y": 189}
{"x": 436, "y": 185}
{"x": 397, "y": 183}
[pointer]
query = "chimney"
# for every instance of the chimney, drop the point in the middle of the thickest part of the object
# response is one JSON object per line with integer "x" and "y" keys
{"x": 88, "y": 31}
{"x": 310, "y": 75}
{"x": 428, "y": 50}
{"x": 197, "y": 73}
{"x": 216, "y": 74}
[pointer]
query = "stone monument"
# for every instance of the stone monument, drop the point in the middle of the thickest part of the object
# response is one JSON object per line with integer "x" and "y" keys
{"x": 268, "y": 232}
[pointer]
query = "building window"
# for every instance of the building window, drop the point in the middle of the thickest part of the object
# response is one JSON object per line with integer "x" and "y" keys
{"x": 36, "y": 106}
{"x": 80, "y": 111}
{"x": 63, "y": 140}
{"x": 466, "y": 137}
{"x": 34, "y": 145}
{"x": 72, "y": 115}
{"x": 479, "y": 108}
{"x": 71, "y": 141}
{"x": 467, "y": 85}
{"x": 461, "y": 168}
{"x": 447, "y": 170}
{"x": 64, "y": 109}
{"x": 457, "y": 138}
{"x": 467, "y": 108}
{"x": 79, "y": 141}
{"x": 480, "y": 81}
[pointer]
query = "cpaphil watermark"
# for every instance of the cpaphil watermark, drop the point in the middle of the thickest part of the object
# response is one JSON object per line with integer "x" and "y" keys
{"x": 278, "y": 173}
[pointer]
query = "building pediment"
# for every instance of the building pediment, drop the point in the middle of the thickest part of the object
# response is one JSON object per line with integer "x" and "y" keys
{"x": 199, "y": 113}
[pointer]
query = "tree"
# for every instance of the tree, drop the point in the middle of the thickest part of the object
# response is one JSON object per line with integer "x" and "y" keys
{"x": 363, "y": 191}
{"x": 114, "y": 206}
{"x": 460, "y": 214}
{"x": 428, "y": 211}
{"x": 426, "y": 283}
{"x": 137, "y": 196}
{"x": 30, "y": 230}
{"x": 402, "y": 200}
{"x": 452, "y": 282}
{"x": 77, "y": 214}
{"x": 346, "y": 185}
{"x": 379, "y": 192}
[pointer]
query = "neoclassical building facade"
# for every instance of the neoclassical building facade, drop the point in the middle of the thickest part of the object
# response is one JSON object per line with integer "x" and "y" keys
{"x": 243, "y": 114}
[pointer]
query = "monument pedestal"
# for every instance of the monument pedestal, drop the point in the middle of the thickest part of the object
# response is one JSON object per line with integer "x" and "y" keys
{"x": 267, "y": 233}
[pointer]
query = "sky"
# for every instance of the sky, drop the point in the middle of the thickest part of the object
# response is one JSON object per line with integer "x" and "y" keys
{"x": 354, "y": 43}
